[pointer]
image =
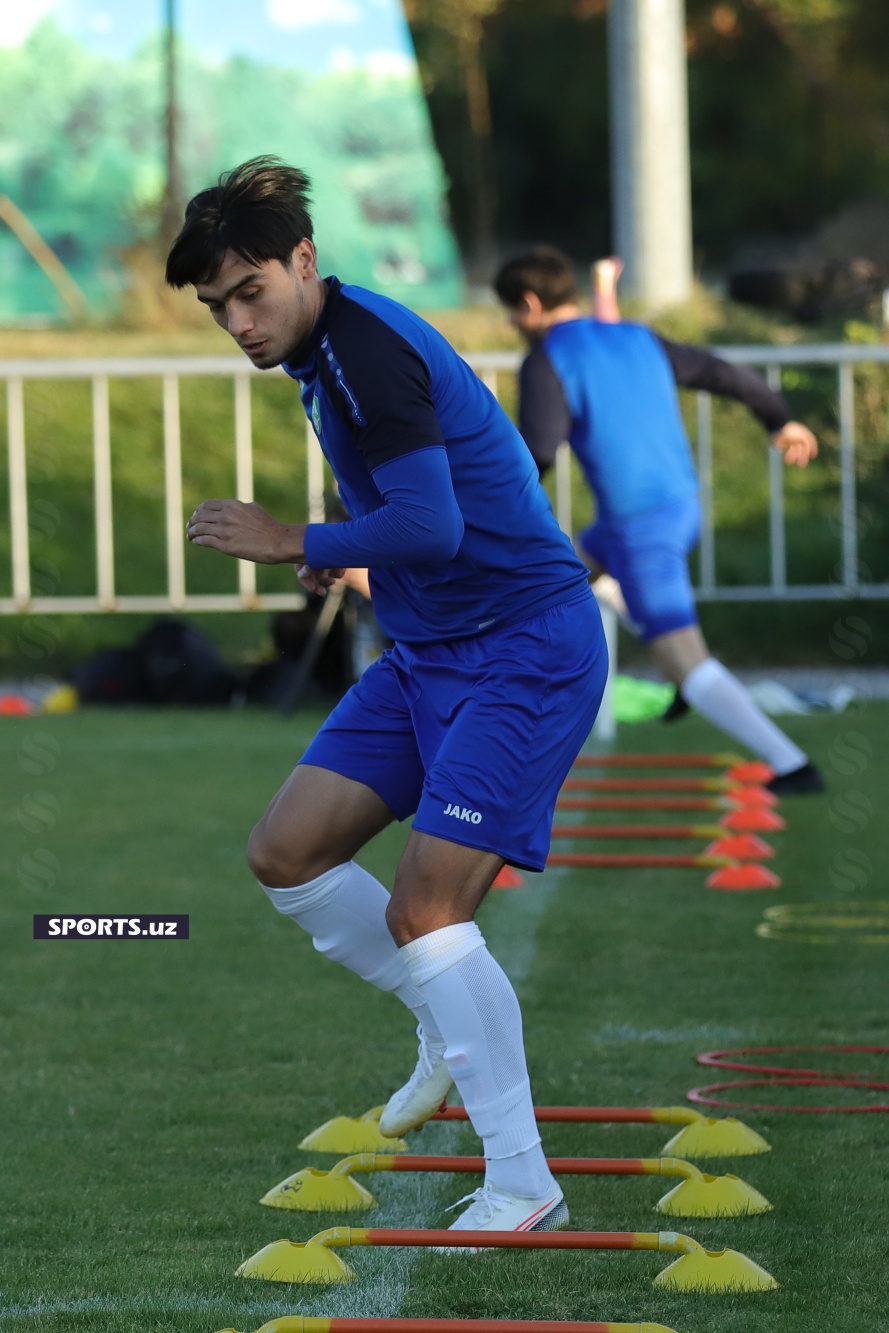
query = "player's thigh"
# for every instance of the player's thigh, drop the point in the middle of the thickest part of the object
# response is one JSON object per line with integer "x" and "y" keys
{"x": 679, "y": 651}
{"x": 319, "y": 819}
{"x": 362, "y": 770}
{"x": 438, "y": 883}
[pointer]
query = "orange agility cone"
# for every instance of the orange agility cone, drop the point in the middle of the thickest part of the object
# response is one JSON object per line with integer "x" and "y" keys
{"x": 508, "y": 878}
{"x": 753, "y": 820}
{"x": 741, "y": 847}
{"x": 754, "y": 771}
{"x": 750, "y": 875}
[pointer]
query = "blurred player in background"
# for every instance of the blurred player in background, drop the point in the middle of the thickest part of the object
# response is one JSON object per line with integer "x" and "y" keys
{"x": 609, "y": 389}
{"x": 471, "y": 721}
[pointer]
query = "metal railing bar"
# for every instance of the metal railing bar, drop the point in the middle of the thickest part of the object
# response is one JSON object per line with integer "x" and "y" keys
{"x": 705, "y": 474}
{"x": 777, "y": 549}
{"x": 18, "y": 493}
{"x": 173, "y": 494}
{"x": 793, "y": 592}
{"x": 799, "y": 354}
{"x": 103, "y": 494}
{"x": 284, "y": 601}
{"x": 131, "y": 367}
{"x": 849, "y": 519}
{"x": 244, "y": 475}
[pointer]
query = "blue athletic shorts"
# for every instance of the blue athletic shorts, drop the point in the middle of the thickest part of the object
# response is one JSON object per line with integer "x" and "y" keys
{"x": 648, "y": 555}
{"x": 475, "y": 737}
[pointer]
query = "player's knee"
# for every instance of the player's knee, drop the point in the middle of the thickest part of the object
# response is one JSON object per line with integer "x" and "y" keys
{"x": 405, "y": 919}
{"x": 417, "y": 906}
{"x": 275, "y": 865}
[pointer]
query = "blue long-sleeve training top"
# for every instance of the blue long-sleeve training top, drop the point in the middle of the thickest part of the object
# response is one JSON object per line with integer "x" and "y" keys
{"x": 610, "y": 391}
{"x": 446, "y": 507}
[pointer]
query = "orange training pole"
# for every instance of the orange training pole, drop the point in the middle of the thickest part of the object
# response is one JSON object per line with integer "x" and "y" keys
{"x": 511, "y": 1240}
{"x": 748, "y": 794}
{"x": 645, "y": 803}
{"x": 656, "y": 760}
{"x": 638, "y": 831}
{"x": 600, "y": 1115}
{"x": 633, "y": 860}
{"x": 560, "y": 1166}
{"x": 476, "y": 1326}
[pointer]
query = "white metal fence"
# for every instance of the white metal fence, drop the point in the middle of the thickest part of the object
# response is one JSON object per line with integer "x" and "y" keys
{"x": 240, "y": 375}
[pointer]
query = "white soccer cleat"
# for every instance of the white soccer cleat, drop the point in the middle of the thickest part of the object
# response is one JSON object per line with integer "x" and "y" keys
{"x": 422, "y": 1095}
{"x": 493, "y": 1210}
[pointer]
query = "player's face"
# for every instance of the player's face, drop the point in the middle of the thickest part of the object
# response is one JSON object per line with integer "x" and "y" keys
{"x": 268, "y": 309}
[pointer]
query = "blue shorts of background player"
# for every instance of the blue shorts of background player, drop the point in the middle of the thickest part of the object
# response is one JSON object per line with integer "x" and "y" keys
{"x": 474, "y": 737}
{"x": 648, "y": 556}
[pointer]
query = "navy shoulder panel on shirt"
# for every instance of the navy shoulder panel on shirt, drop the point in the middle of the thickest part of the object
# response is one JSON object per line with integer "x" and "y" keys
{"x": 379, "y": 383}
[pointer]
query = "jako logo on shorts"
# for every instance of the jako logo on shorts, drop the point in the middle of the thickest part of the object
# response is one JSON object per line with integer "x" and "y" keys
{"x": 460, "y": 812}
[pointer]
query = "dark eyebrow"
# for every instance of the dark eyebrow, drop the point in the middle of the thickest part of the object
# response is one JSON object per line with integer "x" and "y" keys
{"x": 251, "y": 277}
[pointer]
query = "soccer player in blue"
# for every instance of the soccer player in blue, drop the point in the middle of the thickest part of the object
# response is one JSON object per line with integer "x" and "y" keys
{"x": 471, "y": 721}
{"x": 609, "y": 389}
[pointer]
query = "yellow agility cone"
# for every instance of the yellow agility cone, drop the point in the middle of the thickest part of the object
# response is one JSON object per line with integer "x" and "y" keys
{"x": 312, "y": 1191}
{"x": 343, "y": 1134}
{"x": 704, "y": 1136}
{"x": 700, "y": 1195}
{"x": 285, "y": 1261}
{"x": 712, "y": 1270}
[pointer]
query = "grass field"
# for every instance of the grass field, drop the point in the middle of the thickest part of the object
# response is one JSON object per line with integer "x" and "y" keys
{"x": 152, "y": 1091}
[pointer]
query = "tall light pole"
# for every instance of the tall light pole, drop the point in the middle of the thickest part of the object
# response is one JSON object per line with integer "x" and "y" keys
{"x": 650, "y": 183}
{"x": 171, "y": 218}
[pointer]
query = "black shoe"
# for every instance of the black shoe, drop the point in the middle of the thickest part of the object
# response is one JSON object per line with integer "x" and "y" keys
{"x": 805, "y": 781}
{"x": 677, "y": 709}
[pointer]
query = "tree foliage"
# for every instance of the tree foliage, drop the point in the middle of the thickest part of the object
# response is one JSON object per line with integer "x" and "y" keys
{"x": 82, "y": 156}
{"x": 789, "y": 113}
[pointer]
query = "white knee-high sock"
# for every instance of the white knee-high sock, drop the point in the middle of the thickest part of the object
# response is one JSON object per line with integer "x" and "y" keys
{"x": 477, "y": 1012}
{"x": 344, "y": 910}
{"x": 721, "y": 699}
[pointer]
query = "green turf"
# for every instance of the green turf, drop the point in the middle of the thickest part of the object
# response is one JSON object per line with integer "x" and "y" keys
{"x": 152, "y": 1091}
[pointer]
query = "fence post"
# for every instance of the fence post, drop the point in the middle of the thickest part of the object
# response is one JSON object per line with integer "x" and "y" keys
{"x": 173, "y": 489}
{"x": 18, "y": 493}
{"x": 314, "y": 475}
{"x": 103, "y": 494}
{"x": 705, "y": 473}
{"x": 244, "y": 476}
{"x": 563, "y": 488}
{"x": 847, "y": 478}
{"x": 605, "y": 727}
{"x": 776, "y": 502}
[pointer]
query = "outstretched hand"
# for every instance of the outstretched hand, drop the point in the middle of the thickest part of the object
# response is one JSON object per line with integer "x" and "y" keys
{"x": 797, "y": 444}
{"x": 246, "y": 531}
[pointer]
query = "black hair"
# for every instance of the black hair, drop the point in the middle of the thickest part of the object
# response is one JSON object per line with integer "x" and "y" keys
{"x": 259, "y": 210}
{"x": 543, "y": 270}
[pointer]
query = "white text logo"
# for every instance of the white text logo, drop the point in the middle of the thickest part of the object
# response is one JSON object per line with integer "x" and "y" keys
{"x": 460, "y": 812}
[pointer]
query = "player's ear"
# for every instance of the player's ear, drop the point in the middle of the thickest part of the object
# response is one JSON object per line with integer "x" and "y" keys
{"x": 304, "y": 261}
{"x": 530, "y": 304}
